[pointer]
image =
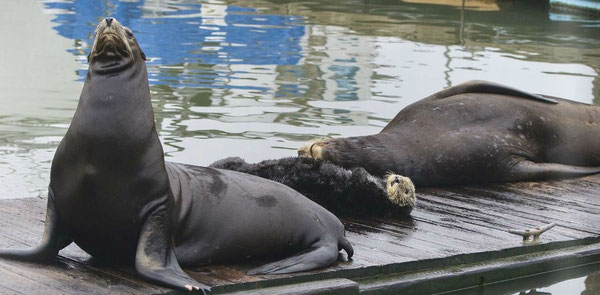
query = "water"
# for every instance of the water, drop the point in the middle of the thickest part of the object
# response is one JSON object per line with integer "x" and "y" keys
{"x": 584, "y": 280}
{"x": 257, "y": 78}
{"x": 586, "y": 285}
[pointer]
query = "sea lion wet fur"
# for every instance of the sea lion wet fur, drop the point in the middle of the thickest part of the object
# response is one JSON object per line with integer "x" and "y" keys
{"x": 476, "y": 132}
{"x": 112, "y": 193}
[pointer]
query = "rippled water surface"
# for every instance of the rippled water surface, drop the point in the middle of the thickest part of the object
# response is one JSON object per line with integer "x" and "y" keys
{"x": 257, "y": 78}
{"x": 584, "y": 280}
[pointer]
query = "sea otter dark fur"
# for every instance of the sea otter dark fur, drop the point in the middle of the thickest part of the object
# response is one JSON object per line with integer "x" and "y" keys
{"x": 342, "y": 191}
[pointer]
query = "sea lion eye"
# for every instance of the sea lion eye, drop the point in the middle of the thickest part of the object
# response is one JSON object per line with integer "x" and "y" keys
{"x": 129, "y": 33}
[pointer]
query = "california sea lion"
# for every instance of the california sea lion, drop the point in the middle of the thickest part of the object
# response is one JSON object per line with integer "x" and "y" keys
{"x": 339, "y": 190}
{"x": 112, "y": 193}
{"x": 476, "y": 132}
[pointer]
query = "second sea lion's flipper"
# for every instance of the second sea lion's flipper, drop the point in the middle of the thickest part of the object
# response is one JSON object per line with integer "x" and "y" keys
{"x": 319, "y": 255}
{"x": 53, "y": 240}
{"x": 478, "y": 86}
{"x": 155, "y": 259}
{"x": 527, "y": 170}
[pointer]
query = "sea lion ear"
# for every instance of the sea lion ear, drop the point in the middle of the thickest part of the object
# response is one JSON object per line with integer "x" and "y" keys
{"x": 89, "y": 55}
{"x": 143, "y": 55}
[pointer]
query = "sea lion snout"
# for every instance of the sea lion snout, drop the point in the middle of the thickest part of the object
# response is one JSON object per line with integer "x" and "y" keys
{"x": 111, "y": 40}
{"x": 115, "y": 47}
{"x": 110, "y": 25}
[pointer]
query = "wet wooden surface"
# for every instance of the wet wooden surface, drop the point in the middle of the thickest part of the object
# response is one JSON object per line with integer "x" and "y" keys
{"x": 447, "y": 222}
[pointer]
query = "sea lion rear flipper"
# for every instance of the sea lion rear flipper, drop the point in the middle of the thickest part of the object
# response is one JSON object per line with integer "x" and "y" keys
{"x": 318, "y": 256}
{"x": 53, "y": 240}
{"x": 478, "y": 86}
{"x": 527, "y": 170}
{"x": 155, "y": 259}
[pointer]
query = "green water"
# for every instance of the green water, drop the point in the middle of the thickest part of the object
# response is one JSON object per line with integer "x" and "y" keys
{"x": 584, "y": 280}
{"x": 255, "y": 79}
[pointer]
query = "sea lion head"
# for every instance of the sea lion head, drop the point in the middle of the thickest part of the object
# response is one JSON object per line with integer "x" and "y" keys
{"x": 115, "y": 48}
{"x": 400, "y": 189}
{"x": 314, "y": 148}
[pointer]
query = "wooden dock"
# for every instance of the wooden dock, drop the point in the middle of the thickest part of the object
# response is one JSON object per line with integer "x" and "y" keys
{"x": 456, "y": 238}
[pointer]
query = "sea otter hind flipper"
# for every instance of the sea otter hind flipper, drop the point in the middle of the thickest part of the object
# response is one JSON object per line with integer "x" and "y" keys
{"x": 528, "y": 170}
{"x": 479, "y": 86}
{"x": 309, "y": 259}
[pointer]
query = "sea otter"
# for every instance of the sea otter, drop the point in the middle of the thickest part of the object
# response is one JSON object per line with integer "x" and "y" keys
{"x": 342, "y": 191}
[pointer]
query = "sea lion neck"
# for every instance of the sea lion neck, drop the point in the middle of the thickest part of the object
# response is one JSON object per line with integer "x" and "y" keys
{"x": 111, "y": 66}
{"x": 113, "y": 105}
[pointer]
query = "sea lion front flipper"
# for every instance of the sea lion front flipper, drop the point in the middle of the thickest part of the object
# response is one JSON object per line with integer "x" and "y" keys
{"x": 155, "y": 259}
{"x": 53, "y": 240}
{"x": 528, "y": 170}
{"x": 318, "y": 256}
{"x": 478, "y": 86}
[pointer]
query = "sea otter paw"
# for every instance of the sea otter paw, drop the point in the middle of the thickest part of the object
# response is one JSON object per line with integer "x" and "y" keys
{"x": 313, "y": 148}
{"x": 400, "y": 190}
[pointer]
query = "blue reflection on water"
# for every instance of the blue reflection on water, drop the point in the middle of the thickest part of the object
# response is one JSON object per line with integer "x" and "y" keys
{"x": 179, "y": 35}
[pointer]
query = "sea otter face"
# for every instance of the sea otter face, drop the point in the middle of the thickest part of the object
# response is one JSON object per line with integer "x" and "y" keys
{"x": 114, "y": 47}
{"x": 401, "y": 190}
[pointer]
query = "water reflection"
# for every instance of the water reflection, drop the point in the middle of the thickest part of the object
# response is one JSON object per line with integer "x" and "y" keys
{"x": 592, "y": 284}
{"x": 256, "y": 78}
{"x": 586, "y": 285}
{"x": 583, "y": 280}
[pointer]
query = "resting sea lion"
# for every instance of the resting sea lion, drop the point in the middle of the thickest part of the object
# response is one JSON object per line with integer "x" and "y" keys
{"x": 342, "y": 191}
{"x": 112, "y": 193}
{"x": 476, "y": 132}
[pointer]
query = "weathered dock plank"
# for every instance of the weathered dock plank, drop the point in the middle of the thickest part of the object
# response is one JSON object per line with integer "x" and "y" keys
{"x": 450, "y": 227}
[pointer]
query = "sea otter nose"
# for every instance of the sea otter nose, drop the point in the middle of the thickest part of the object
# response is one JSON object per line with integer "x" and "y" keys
{"x": 108, "y": 21}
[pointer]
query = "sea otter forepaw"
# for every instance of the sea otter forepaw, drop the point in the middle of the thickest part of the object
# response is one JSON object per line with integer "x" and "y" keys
{"x": 400, "y": 190}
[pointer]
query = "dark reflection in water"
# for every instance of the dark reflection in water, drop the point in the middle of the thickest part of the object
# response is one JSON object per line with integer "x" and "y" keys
{"x": 592, "y": 284}
{"x": 256, "y": 78}
{"x": 584, "y": 280}
{"x": 584, "y": 285}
